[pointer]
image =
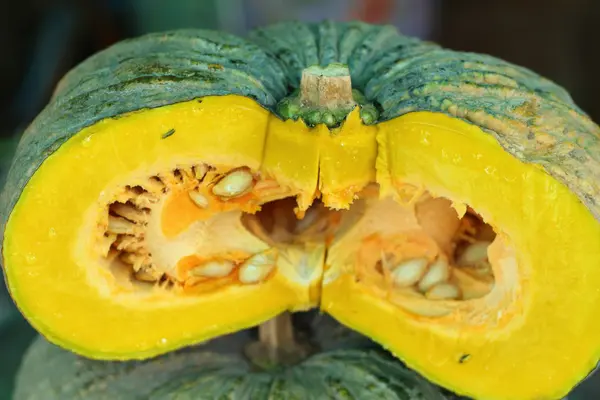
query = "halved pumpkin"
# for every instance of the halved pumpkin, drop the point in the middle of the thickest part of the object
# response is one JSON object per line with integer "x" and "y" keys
{"x": 444, "y": 205}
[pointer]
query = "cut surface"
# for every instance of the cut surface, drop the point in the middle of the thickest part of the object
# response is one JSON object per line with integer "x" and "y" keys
{"x": 421, "y": 233}
{"x": 156, "y": 243}
{"x": 543, "y": 260}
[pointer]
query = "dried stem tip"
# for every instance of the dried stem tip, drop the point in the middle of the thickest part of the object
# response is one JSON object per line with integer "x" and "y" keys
{"x": 327, "y": 87}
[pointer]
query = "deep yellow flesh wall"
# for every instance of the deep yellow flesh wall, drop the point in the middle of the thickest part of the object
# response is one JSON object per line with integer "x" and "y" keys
{"x": 338, "y": 164}
{"x": 558, "y": 254}
{"x": 292, "y": 155}
{"x": 347, "y": 161}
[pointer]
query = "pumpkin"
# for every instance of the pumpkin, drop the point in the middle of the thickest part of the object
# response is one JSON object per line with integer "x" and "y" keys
{"x": 185, "y": 185}
{"x": 221, "y": 370}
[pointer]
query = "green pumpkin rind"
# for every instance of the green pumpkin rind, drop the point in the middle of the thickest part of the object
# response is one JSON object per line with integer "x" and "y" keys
{"x": 214, "y": 371}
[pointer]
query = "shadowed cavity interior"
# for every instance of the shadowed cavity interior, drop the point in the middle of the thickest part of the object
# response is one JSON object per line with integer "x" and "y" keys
{"x": 200, "y": 228}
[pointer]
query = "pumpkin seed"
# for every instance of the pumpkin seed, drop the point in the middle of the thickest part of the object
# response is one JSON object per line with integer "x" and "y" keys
{"x": 409, "y": 272}
{"x": 474, "y": 255}
{"x": 257, "y": 267}
{"x": 443, "y": 291}
{"x": 438, "y": 272}
{"x": 120, "y": 225}
{"x": 234, "y": 184}
{"x": 213, "y": 269}
{"x": 129, "y": 212}
{"x": 474, "y": 260}
{"x": 198, "y": 198}
{"x": 471, "y": 286}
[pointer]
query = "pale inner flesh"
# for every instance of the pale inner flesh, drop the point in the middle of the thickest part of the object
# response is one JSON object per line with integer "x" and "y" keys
{"x": 201, "y": 228}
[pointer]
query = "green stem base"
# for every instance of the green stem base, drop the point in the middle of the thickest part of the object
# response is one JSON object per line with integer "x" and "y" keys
{"x": 326, "y": 97}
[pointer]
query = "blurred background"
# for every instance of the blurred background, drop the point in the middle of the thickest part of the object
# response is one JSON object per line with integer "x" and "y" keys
{"x": 43, "y": 39}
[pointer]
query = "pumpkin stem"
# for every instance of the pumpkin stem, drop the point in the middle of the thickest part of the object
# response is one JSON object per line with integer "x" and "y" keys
{"x": 277, "y": 333}
{"x": 276, "y": 345}
{"x": 327, "y": 88}
{"x": 326, "y": 97}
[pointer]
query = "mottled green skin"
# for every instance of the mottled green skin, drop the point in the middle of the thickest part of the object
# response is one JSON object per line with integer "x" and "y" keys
{"x": 215, "y": 371}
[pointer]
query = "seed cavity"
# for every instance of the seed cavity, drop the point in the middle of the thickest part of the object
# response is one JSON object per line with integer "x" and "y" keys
{"x": 258, "y": 267}
{"x": 234, "y": 184}
{"x": 124, "y": 238}
{"x": 454, "y": 266}
{"x": 213, "y": 269}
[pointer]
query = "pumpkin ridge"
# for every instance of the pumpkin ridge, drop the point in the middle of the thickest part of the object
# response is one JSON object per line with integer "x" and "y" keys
{"x": 162, "y": 64}
{"x": 327, "y": 45}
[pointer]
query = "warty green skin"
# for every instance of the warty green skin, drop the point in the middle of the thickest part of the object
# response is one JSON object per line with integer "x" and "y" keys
{"x": 532, "y": 118}
{"x": 217, "y": 370}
